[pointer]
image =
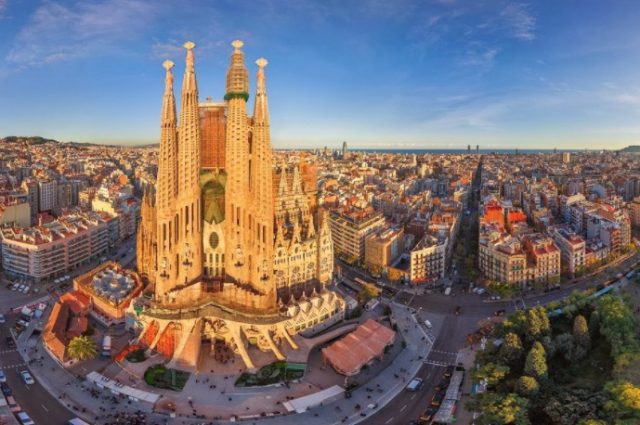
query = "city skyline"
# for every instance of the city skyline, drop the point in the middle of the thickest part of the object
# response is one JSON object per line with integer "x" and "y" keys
{"x": 442, "y": 74}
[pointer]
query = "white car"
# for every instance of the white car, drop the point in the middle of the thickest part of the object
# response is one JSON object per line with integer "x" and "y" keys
{"x": 14, "y": 286}
{"x": 26, "y": 377}
{"x": 22, "y": 323}
{"x": 3, "y": 377}
{"x": 26, "y": 289}
{"x": 25, "y": 419}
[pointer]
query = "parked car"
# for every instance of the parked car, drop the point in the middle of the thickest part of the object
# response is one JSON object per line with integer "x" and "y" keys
{"x": 6, "y": 389}
{"x": 26, "y": 377}
{"x": 500, "y": 312}
{"x": 437, "y": 398}
{"x": 14, "y": 286}
{"x": 25, "y": 290}
{"x": 21, "y": 323}
{"x": 13, "y": 405}
{"x": 25, "y": 419}
{"x": 2, "y": 318}
{"x": 3, "y": 377}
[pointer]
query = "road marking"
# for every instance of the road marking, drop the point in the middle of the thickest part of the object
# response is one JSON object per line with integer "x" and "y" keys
{"x": 389, "y": 420}
{"x": 45, "y": 409}
{"x": 403, "y": 407}
{"x": 413, "y": 396}
{"x": 439, "y": 364}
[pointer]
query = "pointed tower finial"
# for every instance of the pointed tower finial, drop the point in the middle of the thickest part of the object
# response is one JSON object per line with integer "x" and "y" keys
{"x": 237, "y": 45}
{"x": 190, "y": 45}
{"x": 237, "y": 75}
{"x": 262, "y": 62}
{"x": 167, "y": 65}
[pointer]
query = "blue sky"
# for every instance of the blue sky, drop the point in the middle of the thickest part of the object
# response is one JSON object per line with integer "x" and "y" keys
{"x": 376, "y": 73}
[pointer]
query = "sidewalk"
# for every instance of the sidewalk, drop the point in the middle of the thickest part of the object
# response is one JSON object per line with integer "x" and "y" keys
{"x": 96, "y": 406}
{"x": 378, "y": 392}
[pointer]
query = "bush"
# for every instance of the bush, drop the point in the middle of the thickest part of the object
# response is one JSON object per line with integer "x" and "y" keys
{"x": 137, "y": 356}
{"x": 160, "y": 377}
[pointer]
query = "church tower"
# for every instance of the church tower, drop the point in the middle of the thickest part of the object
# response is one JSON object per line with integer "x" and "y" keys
{"x": 179, "y": 217}
{"x": 167, "y": 189}
{"x": 249, "y": 205}
{"x": 189, "y": 208}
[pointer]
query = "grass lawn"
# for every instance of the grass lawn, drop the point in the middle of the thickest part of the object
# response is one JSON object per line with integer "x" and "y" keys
{"x": 271, "y": 374}
{"x": 171, "y": 379}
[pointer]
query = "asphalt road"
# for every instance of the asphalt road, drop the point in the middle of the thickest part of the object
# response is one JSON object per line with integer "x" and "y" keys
{"x": 408, "y": 406}
{"x": 41, "y": 406}
{"x": 34, "y": 399}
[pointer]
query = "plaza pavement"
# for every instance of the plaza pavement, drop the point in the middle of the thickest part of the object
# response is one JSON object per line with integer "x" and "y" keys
{"x": 226, "y": 400}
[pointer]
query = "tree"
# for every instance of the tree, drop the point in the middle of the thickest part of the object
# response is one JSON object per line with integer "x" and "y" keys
{"x": 537, "y": 323}
{"x": 511, "y": 348}
{"x": 549, "y": 345}
{"x": 492, "y": 373}
{"x": 368, "y": 292}
{"x": 625, "y": 399}
{"x": 82, "y": 348}
{"x": 617, "y": 324}
{"x": 594, "y": 324}
{"x": 536, "y": 363}
{"x": 565, "y": 345}
{"x": 581, "y": 332}
{"x": 527, "y": 386}
{"x": 592, "y": 422}
{"x": 497, "y": 409}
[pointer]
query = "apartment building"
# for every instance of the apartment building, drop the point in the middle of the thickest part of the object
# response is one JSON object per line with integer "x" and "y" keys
{"x": 572, "y": 248}
{"x": 428, "y": 259}
{"x": 383, "y": 247}
{"x": 350, "y": 228}
{"x": 45, "y": 252}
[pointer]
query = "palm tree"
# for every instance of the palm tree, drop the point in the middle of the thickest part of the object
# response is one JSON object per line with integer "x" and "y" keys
{"x": 82, "y": 348}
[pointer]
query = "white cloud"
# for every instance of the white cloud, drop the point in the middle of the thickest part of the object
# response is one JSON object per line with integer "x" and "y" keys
{"x": 520, "y": 21}
{"x": 628, "y": 98}
{"x": 56, "y": 32}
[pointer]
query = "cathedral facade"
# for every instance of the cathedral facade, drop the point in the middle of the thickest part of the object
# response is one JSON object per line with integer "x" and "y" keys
{"x": 235, "y": 249}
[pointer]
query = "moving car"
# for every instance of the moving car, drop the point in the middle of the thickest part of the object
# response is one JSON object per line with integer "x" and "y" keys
{"x": 10, "y": 342}
{"x": 458, "y": 310}
{"x": 415, "y": 384}
{"x": 26, "y": 377}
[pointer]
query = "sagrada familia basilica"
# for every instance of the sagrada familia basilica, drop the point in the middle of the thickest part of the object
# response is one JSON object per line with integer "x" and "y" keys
{"x": 234, "y": 246}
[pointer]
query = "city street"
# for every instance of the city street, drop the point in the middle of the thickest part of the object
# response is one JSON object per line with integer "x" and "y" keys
{"x": 34, "y": 399}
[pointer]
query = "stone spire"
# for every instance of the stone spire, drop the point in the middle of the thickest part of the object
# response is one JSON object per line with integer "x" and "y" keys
{"x": 167, "y": 164}
{"x": 237, "y": 167}
{"x": 189, "y": 131}
{"x": 237, "y": 74}
{"x": 188, "y": 232}
{"x": 261, "y": 107}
